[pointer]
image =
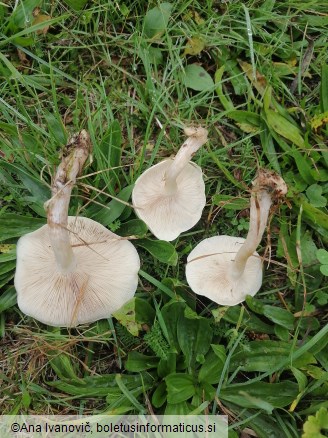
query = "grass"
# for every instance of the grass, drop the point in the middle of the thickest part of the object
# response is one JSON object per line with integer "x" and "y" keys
{"x": 263, "y": 95}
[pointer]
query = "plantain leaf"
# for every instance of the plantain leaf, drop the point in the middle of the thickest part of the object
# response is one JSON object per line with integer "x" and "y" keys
{"x": 261, "y": 395}
{"x": 13, "y": 225}
{"x": 265, "y": 355}
{"x": 284, "y": 128}
{"x": 180, "y": 387}
{"x": 197, "y": 78}
{"x": 156, "y": 20}
{"x": 160, "y": 249}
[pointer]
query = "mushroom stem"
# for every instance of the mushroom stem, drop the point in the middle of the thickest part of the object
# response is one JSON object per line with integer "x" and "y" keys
{"x": 196, "y": 138}
{"x": 74, "y": 156}
{"x": 267, "y": 187}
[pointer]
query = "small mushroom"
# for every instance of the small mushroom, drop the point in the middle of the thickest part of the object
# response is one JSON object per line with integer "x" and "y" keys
{"x": 170, "y": 196}
{"x": 226, "y": 269}
{"x": 73, "y": 270}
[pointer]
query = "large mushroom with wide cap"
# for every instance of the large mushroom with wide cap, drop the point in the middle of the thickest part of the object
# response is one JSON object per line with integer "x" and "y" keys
{"x": 73, "y": 270}
{"x": 170, "y": 196}
{"x": 225, "y": 268}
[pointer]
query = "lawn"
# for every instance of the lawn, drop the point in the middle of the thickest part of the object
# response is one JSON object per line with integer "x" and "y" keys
{"x": 133, "y": 74}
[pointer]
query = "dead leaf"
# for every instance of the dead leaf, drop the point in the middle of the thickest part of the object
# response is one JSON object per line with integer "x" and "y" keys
{"x": 194, "y": 46}
{"x": 318, "y": 120}
{"x": 36, "y": 11}
{"x": 40, "y": 18}
{"x": 22, "y": 57}
{"x": 246, "y": 127}
{"x": 193, "y": 15}
{"x": 260, "y": 82}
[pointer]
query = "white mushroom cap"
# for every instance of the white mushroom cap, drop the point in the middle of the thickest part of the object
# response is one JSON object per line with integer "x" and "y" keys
{"x": 170, "y": 196}
{"x": 209, "y": 271}
{"x": 167, "y": 216}
{"x": 104, "y": 276}
{"x": 226, "y": 269}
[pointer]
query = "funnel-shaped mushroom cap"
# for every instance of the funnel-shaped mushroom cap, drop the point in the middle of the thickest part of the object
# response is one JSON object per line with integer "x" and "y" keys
{"x": 209, "y": 271}
{"x": 166, "y": 215}
{"x": 225, "y": 268}
{"x": 170, "y": 196}
{"x": 103, "y": 278}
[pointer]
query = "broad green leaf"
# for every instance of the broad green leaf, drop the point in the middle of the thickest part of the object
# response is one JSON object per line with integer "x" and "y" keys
{"x": 269, "y": 148}
{"x": 129, "y": 394}
{"x": 211, "y": 370}
{"x": 225, "y": 100}
{"x": 316, "y": 372}
{"x": 167, "y": 366}
{"x": 23, "y": 13}
{"x": 7, "y": 267}
{"x": 13, "y": 225}
{"x": 155, "y": 56}
{"x": 301, "y": 378}
{"x": 106, "y": 216}
{"x": 111, "y": 148}
{"x": 182, "y": 408}
{"x": 245, "y": 117}
{"x": 314, "y": 193}
{"x": 318, "y": 219}
{"x": 134, "y": 227}
{"x": 77, "y": 5}
{"x": 156, "y": 20}
{"x": 322, "y": 297}
{"x": 324, "y": 270}
{"x": 281, "y": 332}
{"x": 6, "y": 278}
{"x": 253, "y": 394}
{"x": 265, "y": 355}
{"x": 255, "y": 305}
{"x": 284, "y": 128}
{"x": 26, "y": 398}
{"x": 62, "y": 365}
{"x": 134, "y": 313}
{"x": 301, "y": 161}
{"x": 316, "y": 424}
{"x": 249, "y": 321}
{"x": 140, "y": 362}
{"x": 38, "y": 189}
{"x": 7, "y": 252}
{"x": 8, "y": 299}
{"x": 235, "y": 75}
{"x": 160, "y": 249}
{"x": 230, "y": 203}
{"x": 309, "y": 249}
{"x": 279, "y": 316}
{"x": 219, "y": 350}
{"x": 263, "y": 424}
{"x": 104, "y": 385}
{"x": 56, "y": 128}
{"x": 324, "y": 88}
{"x": 194, "y": 336}
{"x": 180, "y": 387}
{"x": 170, "y": 313}
{"x": 17, "y": 39}
{"x": 159, "y": 395}
{"x": 197, "y": 78}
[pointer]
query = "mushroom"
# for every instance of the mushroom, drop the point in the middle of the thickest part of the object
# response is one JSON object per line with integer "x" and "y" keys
{"x": 170, "y": 196}
{"x": 73, "y": 270}
{"x": 226, "y": 269}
